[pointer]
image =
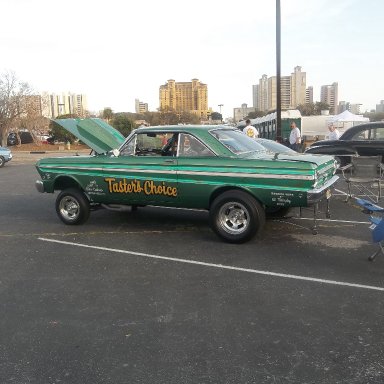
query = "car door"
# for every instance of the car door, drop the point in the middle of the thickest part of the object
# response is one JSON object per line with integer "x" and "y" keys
{"x": 197, "y": 165}
{"x": 142, "y": 173}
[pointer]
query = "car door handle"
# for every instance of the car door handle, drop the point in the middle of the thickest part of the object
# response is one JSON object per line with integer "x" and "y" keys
{"x": 169, "y": 161}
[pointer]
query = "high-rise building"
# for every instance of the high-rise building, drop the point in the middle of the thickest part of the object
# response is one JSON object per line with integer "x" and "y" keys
{"x": 285, "y": 82}
{"x": 189, "y": 97}
{"x": 140, "y": 107}
{"x": 262, "y": 97}
{"x": 255, "y": 95}
{"x": 242, "y": 112}
{"x": 347, "y": 106}
{"x": 309, "y": 95}
{"x": 54, "y": 105}
{"x": 298, "y": 87}
{"x": 380, "y": 107}
{"x": 293, "y": 91}
{"x": 329, "y": 95}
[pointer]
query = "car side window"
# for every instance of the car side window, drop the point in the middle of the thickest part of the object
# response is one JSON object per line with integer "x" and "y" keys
{"x": 377, "y": 134}
{"x": 191, "y": 147}
{"x": 129, "y": 148}
{"x": 151, "y": 144}
{"x": 370, "y": 134}
{"x": 362, "y": 135}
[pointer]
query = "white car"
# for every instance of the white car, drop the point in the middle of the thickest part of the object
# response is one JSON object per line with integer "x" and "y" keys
{"x": 5, "y": 156}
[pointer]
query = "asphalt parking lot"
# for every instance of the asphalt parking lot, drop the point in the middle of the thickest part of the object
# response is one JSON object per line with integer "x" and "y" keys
{"x": 153, "y": 296}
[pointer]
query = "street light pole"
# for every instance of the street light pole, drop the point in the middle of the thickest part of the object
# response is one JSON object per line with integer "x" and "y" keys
{"x": 220, "y": 105}
{"x": 278, "y": 72}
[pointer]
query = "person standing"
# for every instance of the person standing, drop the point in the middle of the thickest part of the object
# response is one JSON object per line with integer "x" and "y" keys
{"x": 250, "y": 131}
{"x": 334, "y": 133}
{"x": 294, "y": 137}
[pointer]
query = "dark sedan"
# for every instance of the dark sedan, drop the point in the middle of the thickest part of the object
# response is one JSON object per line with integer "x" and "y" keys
{"x": 364, "y": 140}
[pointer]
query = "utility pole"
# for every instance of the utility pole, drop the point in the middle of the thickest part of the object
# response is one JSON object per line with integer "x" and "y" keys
{"x": 220, "y": 105}
{"x": 278, "y": 72}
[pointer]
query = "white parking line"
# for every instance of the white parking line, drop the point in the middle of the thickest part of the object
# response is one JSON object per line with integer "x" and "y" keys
{"x": 220, "y": 266}
{"x": 332, "y": 220}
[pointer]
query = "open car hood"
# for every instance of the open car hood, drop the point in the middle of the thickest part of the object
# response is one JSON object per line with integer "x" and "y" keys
{"x": 95, "y": 133}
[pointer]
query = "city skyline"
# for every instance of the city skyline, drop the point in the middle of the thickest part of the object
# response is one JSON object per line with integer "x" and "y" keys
{"x": 113, "y": 58}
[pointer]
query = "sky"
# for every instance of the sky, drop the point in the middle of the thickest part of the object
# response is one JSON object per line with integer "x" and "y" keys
{"x": 117, "y": 51}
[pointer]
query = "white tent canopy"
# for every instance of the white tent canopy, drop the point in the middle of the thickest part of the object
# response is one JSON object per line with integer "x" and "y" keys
{"x": 347, "y": 116}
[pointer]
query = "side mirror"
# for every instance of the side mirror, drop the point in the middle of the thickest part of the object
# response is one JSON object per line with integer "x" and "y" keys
{"x": 115, "y": 152}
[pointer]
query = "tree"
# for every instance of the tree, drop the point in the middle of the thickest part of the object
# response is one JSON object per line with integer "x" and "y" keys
{"x": 107, "y": 114}
{"x": 375, "y": 116}
{"x": 255, "y": 114}
{"x": 216, "y": 116}
{"x": 307, "y": 109}
{"x": 13, "y": 103}
{"x": 122, "y": 123}
{"x": 320, "y": 106}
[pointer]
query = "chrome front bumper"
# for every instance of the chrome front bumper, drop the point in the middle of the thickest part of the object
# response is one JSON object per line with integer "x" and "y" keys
{"x": 317, "y": 194}
{"x": 39, "y": 186}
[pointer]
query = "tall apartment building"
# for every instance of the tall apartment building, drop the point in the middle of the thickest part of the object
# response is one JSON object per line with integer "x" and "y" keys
{"x": 242, "y": 112}
{"x": 140, "y": 107}
{"x": 262, "y": 97}
{"x": 54, "y": 105}
{"x": 380, "y": 107}
{"x": 298, "y": 87}
{"x": 329, "y": 95}
{"x": 293, "y": 91}
{"x": 309, "y": 95}
{"x": 255, "y": 95}
{"x": 347, "y": 106}
{"x": 189, "y": 97}
{"x": 285, "y": 82}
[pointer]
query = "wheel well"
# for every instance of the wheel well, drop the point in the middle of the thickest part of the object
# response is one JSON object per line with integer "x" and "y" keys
{"x": 221, "y": 190}
{"x": 64, "y": 182}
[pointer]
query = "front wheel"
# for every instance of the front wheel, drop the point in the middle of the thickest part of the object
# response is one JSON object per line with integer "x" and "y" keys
{"x": 2, "y": 161}
{"x": 236, "y": 216}
{"x": 72, "y": 206}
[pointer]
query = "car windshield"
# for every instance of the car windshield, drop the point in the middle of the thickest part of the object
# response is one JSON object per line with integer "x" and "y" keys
{"x": 237, "y": 142}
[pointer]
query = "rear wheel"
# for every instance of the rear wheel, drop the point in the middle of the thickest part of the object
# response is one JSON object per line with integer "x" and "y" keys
{"x": 2, "y": 161}
{"x": 236, "y": 216}
{"x": 72, "y": 206}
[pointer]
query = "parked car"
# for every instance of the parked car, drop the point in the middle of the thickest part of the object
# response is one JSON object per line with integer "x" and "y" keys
{"x": 25, "y": 137}
{"x": 216, "y": 168}
{"x": 364, "y": 140}
{"x": 5, "y": 156}
{"x": 12, "y": 139}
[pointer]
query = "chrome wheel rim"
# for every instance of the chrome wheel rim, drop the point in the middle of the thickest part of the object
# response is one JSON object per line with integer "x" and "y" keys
{"x": 234, "y": 218}
{"x": 69, "y": 208}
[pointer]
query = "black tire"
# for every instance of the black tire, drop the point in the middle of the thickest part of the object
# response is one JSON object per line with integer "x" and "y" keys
{"x": 236, "y": 217}
{"x": 72, "y": 206}
{"x": 2, "y": 161}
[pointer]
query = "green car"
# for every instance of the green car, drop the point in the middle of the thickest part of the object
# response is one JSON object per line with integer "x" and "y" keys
{"x": 216, "y": 168}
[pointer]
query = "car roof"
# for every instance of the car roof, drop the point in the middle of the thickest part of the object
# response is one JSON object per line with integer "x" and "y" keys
{"x": 357, "y": 128}
{"x": 182, "y": 128}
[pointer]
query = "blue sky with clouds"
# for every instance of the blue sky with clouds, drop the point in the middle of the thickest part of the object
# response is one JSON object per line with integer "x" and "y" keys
{"x": 115, "y": 51}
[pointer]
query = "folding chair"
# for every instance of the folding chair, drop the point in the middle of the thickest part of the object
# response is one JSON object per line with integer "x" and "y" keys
{"x": 377, "y": 226}
{"x": 365, "y": 173}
